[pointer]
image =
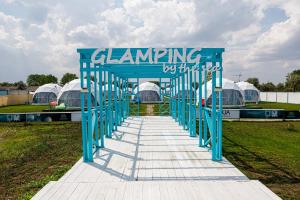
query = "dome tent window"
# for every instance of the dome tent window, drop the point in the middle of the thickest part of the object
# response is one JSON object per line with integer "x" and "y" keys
{"x": 250, "y": 92}
{"x": 46, "y": 94}
{"x": 70, "y": 94}
{"x": 148, "y": 92}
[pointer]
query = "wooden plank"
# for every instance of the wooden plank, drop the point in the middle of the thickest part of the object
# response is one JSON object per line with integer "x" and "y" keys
{"x": 167, "y": 163}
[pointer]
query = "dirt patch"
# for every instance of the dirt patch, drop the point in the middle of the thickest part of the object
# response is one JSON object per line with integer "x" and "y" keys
{"x": 149, "y": 109}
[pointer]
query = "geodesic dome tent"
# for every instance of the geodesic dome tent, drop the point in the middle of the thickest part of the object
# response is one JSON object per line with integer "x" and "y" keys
{"x": 249, "y": 91}
{"x": 46, "y": 93}
{"x": 70, "y": 94}
{"x": 231, "y": 93}
{"x": 148, "y": 92}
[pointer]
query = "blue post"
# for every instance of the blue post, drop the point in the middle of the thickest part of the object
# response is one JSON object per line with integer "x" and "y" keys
{"x": 138, "y": 95}
{"x": 115, "y": 118}
{"x": 195, "y": 104}
{"x": 183, "y": 101}
{"x": 190, "y": 106}
{"x": 110, "y": 124}
{"x": 160, "y": 97}
{"x": 170, "y": 99}
{"x": 200, "y": 108}
{"x": 205, "y": 104}
{"x": 220, "y": 114}
{"x": 178, "y": 100}
{"x": 89, "y": 110}
{"x": 97, "y": 110}
{"x": 128, "y": 97}
{"x": 101, "y": 108}
{"x": 83, "y": 114}
{"x": 175, "y": 99}
{"x": 213, "y": 114}
{"x": 186, "y": 102}
{"x": 120, "y": 102}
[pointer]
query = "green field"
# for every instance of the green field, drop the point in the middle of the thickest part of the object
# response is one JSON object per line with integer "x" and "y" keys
{"x": 32, "y": 154}
{"x": 267, "y": 151}
{"x": 23, "y": 108}
{"x": 271, "y": 105}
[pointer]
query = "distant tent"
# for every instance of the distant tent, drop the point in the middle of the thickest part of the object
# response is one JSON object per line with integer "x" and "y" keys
{"x": 46, "y": 93}
{"x": 186, "y": 91}
{"x": 112, "y": 90}
{"x": 231, "y": 93}
{"x": 250, "y": 92}
{"x": 70, "y": 94}
{"x": 148, "y": 92}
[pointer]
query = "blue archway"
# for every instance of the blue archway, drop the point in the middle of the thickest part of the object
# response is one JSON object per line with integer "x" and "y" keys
{"x": 182, "y": 67}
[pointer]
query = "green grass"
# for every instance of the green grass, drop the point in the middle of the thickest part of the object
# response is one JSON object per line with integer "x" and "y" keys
{"x": 23, "y": 108}
{"x": 161, "y": 109}
{"x": 134, "y": 109}
{"x": 32, "y": 154}
{"x": 274, "y": 105}
{"x": 268, "y": 151}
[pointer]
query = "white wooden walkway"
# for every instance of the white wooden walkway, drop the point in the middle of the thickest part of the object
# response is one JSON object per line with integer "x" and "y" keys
{"x": 154, "y": 158}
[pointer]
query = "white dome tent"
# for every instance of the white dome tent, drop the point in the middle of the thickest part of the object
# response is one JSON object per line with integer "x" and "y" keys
{"x": 148, "y": 92}
{"x": 70, "y": 94}
{"x": 46, "y": 93}
{"x": 250, "y": 92}
{"x": 231, "y": 93}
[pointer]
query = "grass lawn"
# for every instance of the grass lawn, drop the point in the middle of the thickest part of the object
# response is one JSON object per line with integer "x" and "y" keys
{"x": 134, "y": 109}
{"x": 23, "y": 108}
{"x": 32, "y": 154}
{"x": 274, "y": 105}
{"x": 267, "y": 151}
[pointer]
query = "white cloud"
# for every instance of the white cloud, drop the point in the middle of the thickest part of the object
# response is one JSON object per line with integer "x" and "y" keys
{"x": 46, "y": 40}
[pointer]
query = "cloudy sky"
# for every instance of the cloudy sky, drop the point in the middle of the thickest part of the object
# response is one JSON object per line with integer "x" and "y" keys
{"x": 261, "y": 37}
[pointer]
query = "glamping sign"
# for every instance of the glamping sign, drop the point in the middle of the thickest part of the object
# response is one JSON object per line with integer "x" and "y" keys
{"x": 170, "y": 59}
{"x": 145, "y": 55}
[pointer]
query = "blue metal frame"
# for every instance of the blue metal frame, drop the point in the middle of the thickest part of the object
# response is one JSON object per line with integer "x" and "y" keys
{"x": 118, "y": 65}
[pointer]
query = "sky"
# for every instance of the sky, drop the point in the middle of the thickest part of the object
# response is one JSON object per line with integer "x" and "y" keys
{"x": 261, "y": 37}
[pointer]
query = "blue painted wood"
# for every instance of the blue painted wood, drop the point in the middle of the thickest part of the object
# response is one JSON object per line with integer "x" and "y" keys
{"x": 109, "y": 106}
{"x": 200, "y": 110}
{"x": 100, "y": 83}
{"x": 89, "y": 110}
{"x": 115, "y": 106}
{"x": 213, "y": 117}
{"x": 138, "y": 63}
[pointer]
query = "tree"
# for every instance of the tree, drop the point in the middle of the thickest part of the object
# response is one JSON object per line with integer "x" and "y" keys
{"x": 266, "y": 87}
{"x": 67, "y": 77}
{"x": 40, "y": 79}
{"x": 280, "y": 87}
{"x": 293, "y": 81}
{"x": 253, "y": 81}
{"x": 20, "y": 85}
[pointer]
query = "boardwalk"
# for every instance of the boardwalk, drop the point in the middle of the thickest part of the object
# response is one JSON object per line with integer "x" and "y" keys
{"x": 154, "y": 158}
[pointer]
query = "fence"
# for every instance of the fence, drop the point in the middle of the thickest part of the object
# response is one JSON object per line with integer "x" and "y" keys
{"x": 15, "y": 99}
{"x": 281, "y": 97}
